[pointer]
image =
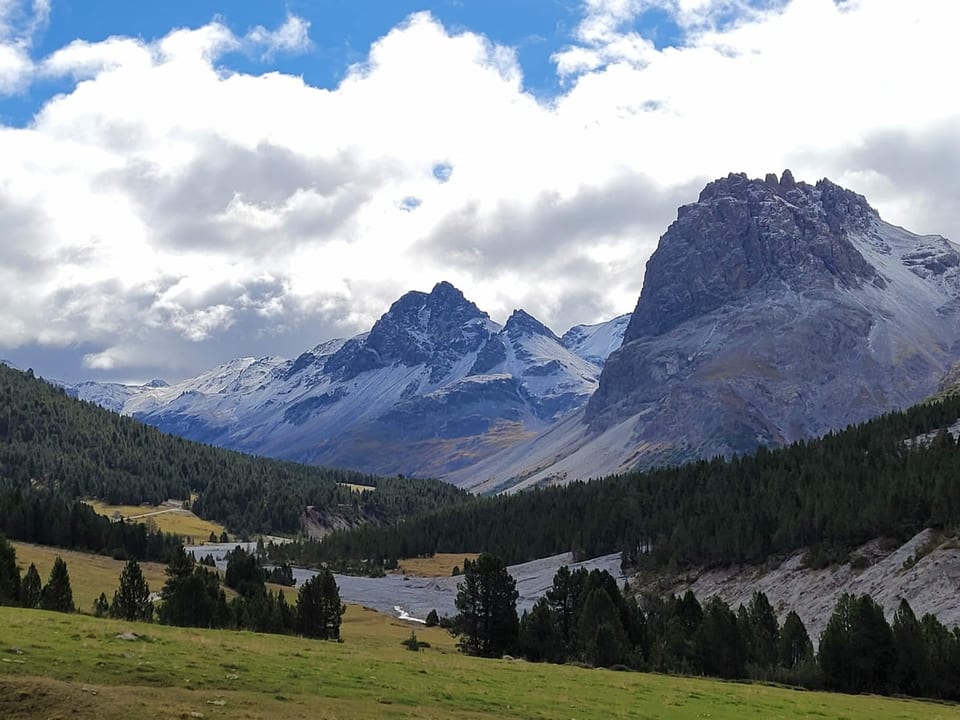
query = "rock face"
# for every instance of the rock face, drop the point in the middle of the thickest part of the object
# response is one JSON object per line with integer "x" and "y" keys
{"x": 434, "y": 386}
{"x": 772, "y": 311}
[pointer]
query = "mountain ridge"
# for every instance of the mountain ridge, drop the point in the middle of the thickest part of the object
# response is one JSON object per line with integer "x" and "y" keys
{"x": 433, "y": 385}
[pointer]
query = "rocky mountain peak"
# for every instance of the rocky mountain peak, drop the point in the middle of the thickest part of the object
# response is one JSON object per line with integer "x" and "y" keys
{"x": 432, "y": 328}
{"x": 743, "y": 234}
{"x": 521, "y": 323}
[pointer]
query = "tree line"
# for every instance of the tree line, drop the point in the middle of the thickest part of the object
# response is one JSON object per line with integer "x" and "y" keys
{"x": 830, "y": 494}
{"x": 48, "y": 517}
{"x": 192, "y": 596}
{"x": 79, "y": 450}
{"x": 585, "y": 617}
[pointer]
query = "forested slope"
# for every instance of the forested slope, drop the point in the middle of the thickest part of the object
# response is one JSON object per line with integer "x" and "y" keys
{"x": 870, "y": 480}
{"x": 75, "y": 449}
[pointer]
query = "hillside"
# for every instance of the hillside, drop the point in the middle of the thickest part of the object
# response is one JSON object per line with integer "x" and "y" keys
{"x": 832, "y": 494}
{"x": 77, "y": 666}
{"x": 71, "y": 449}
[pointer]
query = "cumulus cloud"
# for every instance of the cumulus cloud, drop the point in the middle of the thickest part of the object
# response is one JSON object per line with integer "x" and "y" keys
{"x": 167, "y": 213}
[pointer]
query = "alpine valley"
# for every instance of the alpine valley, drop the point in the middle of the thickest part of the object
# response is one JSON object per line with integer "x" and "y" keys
{"x": 772, "y": 311}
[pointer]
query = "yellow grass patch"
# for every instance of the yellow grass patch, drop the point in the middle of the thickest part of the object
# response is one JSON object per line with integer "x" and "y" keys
{"x": 358, "y": 488}
{"x": 90, "y": 575}
{"x": 164, "y": 517}
{"x": 440, "y": 565}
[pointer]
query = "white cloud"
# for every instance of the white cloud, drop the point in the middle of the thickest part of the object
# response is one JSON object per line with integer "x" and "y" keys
{"x": 168, "y": 213}
{"x": 20, "y": 22}
{"x": 292, "y": 37}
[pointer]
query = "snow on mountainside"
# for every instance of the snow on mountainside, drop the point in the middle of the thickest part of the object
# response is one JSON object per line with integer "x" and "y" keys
{"x": 434, "y": 385}
{"x": 595, "y": 343}
{"x": 772, "y": 311}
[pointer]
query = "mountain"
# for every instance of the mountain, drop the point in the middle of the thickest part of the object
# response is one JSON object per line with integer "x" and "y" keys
{"x": 433, "y": 386}
{"x": 595, "y": 343}
{"x": 772, "y": 311}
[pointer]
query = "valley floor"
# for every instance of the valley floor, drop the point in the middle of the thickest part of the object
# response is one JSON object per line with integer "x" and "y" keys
{"x": 76, "y": 666}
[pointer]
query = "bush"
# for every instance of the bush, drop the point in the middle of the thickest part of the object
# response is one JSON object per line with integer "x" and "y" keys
{"x": 411, "y": 643}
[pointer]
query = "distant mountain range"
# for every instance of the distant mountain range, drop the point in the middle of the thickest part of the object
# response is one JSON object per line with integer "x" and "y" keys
{"x": 772, "y": 311}
{"x": 434, "y": 386}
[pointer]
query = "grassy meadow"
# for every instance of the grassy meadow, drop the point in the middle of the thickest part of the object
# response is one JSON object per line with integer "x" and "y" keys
{"x": 75, "y": 666}
{"x": 90, "y": 575}
{"x": 440, "y": 565}
{"x": 179, "y": 522}
{"x": 59, "y": 666}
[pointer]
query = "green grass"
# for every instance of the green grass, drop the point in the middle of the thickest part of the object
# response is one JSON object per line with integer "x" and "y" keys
{"x": 75, "y": 666}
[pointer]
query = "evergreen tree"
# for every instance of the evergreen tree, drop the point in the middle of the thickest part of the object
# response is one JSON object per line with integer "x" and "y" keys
{"x": 720, "y": 647}
{"x": 9, "y": 574}
{"x": 131, "y": 601}
{"x": 856, "y": 648}
{"x": 31, "y": 588}
{"x": 764, "y": 634}
{"x": 601, "y": 631}
{"x": 101, "y": 606}
{"x": 56, "y": 594}
{"x": 487, "y": 605}
{"x": 244, "y": 573}
{"x": 913, "y": 660}
{"x": 319, "y": 609}
{"x": 540, "y": 639}
{"x": 432, "y": 619}
{"x": 795, "y": 647}
{"x": 191, "y": 595}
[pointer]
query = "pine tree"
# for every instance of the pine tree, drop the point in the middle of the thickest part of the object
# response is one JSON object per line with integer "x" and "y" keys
{"x": 101, "y": 606}
{"x": 720, "y": 647}
{"x": 856, "y": 648}
{"x": 432, "y": 619}
{"x": 31, "y": 588}
{"x": 795, "y": 647}
{"x": 764, "y": 634}
{"x": 487, "y": 605}
{"x": 9, "y": 574}
{"x": 131, "y": 601}
{"x": 319, "y": 609}
{"x": 913, "y": 659}
{"x": 56, "y": 594}
{"x": 601, "y": 631}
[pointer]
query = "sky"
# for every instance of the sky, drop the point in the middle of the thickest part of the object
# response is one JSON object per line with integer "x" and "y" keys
{"x": 186, "y": 182}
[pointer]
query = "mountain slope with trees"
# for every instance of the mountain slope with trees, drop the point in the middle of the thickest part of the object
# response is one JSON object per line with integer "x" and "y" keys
{"x": 55, "y": 449}
{"x": 871, "y": 480}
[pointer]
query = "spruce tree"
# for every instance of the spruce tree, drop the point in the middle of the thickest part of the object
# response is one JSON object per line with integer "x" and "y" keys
{"x": 319, "y": 609}
{"x": 9, "y": 574}
{"x": 913, "y": 658}
{"x": 487, "y": 605}
{"x": 56, "y": 594}
{"x": 31, "y": 588}
{"x": 764, "y": 634}
{"x": 131, "y": 601}
{"x": 795, "y": 647}
{"x": 101, "y": 606}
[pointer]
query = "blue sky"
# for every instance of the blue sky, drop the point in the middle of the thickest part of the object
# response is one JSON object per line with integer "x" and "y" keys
{"x": 188, "y": 182}
{"x": 341, "y": 32}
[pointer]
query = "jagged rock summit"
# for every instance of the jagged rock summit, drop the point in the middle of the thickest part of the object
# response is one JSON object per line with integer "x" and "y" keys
{"x": 772, "y": 311}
